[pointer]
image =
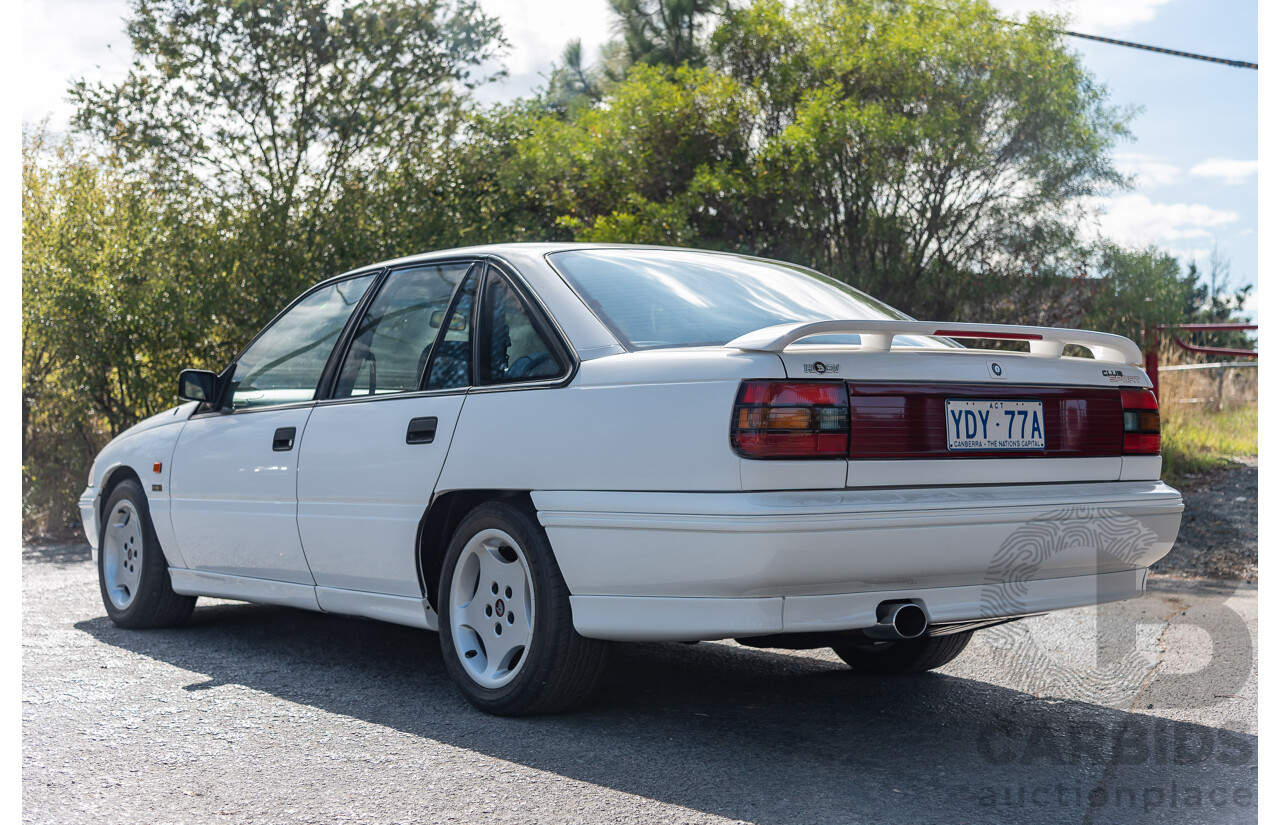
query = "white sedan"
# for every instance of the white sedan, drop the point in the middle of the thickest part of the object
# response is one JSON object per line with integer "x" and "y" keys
{"x": 539, "y": 449}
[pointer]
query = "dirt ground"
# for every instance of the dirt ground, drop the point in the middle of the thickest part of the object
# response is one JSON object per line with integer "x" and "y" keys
{"x": 1219, "y": 535}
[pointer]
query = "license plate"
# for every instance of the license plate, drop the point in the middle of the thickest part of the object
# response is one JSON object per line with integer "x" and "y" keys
{"x": 982, "y": 424}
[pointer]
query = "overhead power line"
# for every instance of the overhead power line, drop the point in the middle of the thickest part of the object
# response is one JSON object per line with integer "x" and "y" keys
{"x": 1240, "y": 64}
{"x": 1237, "y": 63}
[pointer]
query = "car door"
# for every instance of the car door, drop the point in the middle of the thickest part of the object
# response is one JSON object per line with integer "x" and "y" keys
{"x": 233, "y": 484}
{"x": 372, "y": 452}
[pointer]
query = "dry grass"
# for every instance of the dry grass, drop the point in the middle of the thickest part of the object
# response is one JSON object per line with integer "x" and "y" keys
{"x": 1207, "y": 424}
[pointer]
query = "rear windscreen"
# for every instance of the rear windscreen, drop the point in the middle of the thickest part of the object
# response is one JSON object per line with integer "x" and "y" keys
{"x": 653, "y": 298}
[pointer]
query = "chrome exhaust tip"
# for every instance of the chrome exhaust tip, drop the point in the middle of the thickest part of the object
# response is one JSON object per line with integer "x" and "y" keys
{"x": 898, "y": 620}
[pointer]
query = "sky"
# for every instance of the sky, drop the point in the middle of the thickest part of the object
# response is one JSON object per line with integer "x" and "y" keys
{"x": 1194, "y": 150}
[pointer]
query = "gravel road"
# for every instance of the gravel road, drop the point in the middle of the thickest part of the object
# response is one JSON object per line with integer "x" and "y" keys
{"x": 1143, "y": 711}
{"x": 1219, "y": 535}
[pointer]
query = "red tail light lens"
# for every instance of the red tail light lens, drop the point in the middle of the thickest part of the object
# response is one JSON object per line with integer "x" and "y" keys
{"x": 1141, "y": 422}
{"x": 791, "y": 419}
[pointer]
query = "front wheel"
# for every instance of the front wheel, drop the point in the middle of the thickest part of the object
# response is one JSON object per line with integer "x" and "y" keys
{"x": 132, "y": 572}
{"x": 506, "y": 628}
{"x": 903, "y": 656}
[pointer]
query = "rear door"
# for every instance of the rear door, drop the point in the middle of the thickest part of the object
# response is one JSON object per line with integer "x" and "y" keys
{"x": 372, "y": 452}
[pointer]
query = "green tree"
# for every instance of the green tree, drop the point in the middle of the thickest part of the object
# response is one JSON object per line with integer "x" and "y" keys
{"x": 275, "y": 102}
{"x": 573, "y": 83}
{"x": 114, "y": 303}
{"x": 1135, "y": 289}
{"x": 1214, "y": 301}
{"x": 929, "y": 151}
{"x": 660, "y": 32}
{"x": 654, "y": 166}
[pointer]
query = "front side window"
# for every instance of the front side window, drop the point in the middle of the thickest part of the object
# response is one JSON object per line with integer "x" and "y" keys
{"x": 285, "y": 363}
{"x": 512, "y": 348}
{"x": 652, "y": 298}
{"x": 393, "y": 343}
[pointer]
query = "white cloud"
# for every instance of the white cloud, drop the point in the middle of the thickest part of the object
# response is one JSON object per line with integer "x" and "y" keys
{"x": 538, "y": 33}
{"x": 64, "y": 40}
{"x": 1089, "y": 16}
{"x": 1148, "y": 171}
{"x": 1227, "y": 171}
{"x": 1136, "y": 220}
{"x": 1251, "y": 307}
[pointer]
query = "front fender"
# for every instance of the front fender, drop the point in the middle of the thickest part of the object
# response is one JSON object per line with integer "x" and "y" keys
{"x": 138, "y": 452}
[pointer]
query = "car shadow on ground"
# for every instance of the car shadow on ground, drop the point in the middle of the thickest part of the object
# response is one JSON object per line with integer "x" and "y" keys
{"x": 745, "y": 734}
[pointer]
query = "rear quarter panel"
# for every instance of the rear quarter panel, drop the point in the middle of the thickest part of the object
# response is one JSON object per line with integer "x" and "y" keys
{"x": 655, "y": 420}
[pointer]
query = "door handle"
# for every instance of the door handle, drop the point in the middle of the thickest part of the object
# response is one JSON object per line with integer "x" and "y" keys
{"x": 421, "y": 431}
{"x": 283, "y": 441}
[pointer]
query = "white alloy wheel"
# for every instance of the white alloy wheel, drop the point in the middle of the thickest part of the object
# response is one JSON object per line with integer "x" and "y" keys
{"x": 133, "y": 573}
{"x": 491, "y": 608}
{"x": 122, "y": 548}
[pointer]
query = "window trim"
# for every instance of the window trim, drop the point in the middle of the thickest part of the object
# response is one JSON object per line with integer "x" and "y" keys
{"x": 326, "y": 374}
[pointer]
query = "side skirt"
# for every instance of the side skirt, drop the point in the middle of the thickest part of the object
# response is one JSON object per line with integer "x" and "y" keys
{"x": 403, "y": 610}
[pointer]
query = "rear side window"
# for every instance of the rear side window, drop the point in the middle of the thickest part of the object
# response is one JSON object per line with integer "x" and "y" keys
{"x": 653, "y": 298}
{"x": 512, "y": 348}
{"x": 284, "y": 364}
{"x": 394, "y": 340}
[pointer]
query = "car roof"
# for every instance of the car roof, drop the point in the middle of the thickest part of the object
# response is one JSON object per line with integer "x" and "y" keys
{"x": 523, "y": 249}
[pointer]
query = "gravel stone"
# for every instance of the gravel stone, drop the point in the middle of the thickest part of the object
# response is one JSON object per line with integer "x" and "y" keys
{"x": 1219, "y": 535}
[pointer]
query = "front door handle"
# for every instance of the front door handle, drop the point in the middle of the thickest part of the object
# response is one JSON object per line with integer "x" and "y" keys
{"x": 421, "y": 431}
{"x": 283, "y": 441}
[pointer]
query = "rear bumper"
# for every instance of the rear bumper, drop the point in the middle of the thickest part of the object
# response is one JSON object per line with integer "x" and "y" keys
{"x": 653, "y": 618}
{"x": 715, "y": 565}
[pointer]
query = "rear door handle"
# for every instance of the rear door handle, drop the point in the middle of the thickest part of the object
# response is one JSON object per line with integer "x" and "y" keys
{"x": 421, "y": 431}
{"x": 283, "y": 441}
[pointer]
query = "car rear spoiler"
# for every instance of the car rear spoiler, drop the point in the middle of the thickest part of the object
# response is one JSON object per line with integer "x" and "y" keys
{"x": 877, "y": 336}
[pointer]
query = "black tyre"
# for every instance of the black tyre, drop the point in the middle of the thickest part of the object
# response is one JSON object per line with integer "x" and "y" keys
{"x": 904, "y": 656}
{"x": 505, "y": 625}
{"x": 132, "y": 572}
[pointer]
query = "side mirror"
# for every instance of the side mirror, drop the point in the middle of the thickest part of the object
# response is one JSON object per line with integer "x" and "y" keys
{"x": 198, "y": 385}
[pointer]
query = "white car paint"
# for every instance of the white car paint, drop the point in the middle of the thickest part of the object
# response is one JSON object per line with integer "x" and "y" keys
{"x": 362, "y": 489}
{"x": 660, "y": 529}
{"x": 233, "y": 499}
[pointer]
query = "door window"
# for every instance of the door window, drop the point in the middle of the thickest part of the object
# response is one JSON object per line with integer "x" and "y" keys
{"x": 512, "y": 347}
{"x": 284, "y": 365}
{"x": 393, "y": 343}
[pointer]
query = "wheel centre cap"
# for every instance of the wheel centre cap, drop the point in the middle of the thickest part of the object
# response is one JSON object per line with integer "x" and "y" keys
{"x": 500, "y": 608}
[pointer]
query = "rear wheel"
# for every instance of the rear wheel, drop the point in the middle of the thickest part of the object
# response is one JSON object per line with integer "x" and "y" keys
{"x": 903, "y": 656}
{"x": 506, "y": 629}
{"x": 132, "y": 572}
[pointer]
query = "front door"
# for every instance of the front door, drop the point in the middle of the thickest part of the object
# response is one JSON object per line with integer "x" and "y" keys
{"x": 234, "y": 480}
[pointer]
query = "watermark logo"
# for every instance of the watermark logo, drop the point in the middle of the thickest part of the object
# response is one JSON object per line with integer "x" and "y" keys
{"x": 1105, "y": 546}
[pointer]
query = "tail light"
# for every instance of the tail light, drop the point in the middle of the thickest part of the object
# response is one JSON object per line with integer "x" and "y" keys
{"x": 791, "y": 419}
{"x": 1141, "y": 422}
{"x": 827, "y": 419}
